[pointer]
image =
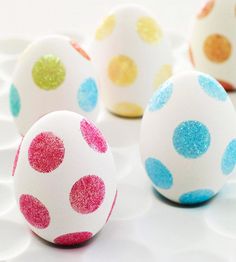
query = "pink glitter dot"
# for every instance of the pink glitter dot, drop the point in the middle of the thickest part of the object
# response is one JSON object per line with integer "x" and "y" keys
{"x": 112, "y": 206}
{"x": 80, "y": 50}
{"x": 46, "y": 152}
{"x": 16, "y": 158}
{"x": 34, "y": 211}
{"x": 93, "y": 136}
{"x": 73, "y": 238}
{"x": 87, "y": 194}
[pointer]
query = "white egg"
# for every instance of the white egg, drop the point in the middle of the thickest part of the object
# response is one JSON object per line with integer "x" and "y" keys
{"x": 64, "y": 178}
{"x": 53, "y": 73}
{"x": 188, "y": 138}
{"x": 213, "y": 41}
{"x": 132, "y": 57}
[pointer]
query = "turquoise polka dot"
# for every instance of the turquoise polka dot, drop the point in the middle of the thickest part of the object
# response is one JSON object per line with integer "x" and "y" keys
{"x": 158, "y": 173}
{"x": 161, "y": 97}
{"x": 14, "y": 101}
{"x": 191, "y": 139}
{"x": 87, "y": 95}
{"x": 196, "y": 197}
{"x": 228, "y": 161}
{"x": 212, "y": 87}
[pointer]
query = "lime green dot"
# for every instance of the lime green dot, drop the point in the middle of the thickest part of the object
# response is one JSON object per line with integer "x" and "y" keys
{"x": 48, "y": 72}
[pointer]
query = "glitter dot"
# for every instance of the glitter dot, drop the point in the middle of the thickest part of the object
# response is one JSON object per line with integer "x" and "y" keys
{"x": 93, "y": 136}
{"x": 161, "y": 97}
{"x": 15, "y": 104}
{"x": 191, "y": 139}
{"x": 80, "y": 50}
{"x": 112, "y": 207}
{"x": 206, "y": 10}
{"x": 228, "y": 161}
{"x": 190, "y": 52}
{"x": 16, "y": 158}
{"x": 87, "y": 194}
{"x": 196, "y": 197}
{"x": 217, "y": 48}
{"x": 158, "y": 173}
{"x": 73, "y": 238}
{"x": 126, "y": 109}
{"x": 106, "y": 28}
{"x": 46, "y": 152}
{"x": 162, "y": 75}
{"x": 227, "y": 86}
{"x": 87, "y": 95}
{"x": 34, "y": 211}
{"x": 48, "y": 72}
{"x": 212, "y": 87}
{"x": 148, "y": 30}
{"x": 122, "y": 70}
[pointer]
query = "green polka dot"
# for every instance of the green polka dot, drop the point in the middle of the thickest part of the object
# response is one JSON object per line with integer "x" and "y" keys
{"x": 48, "y": 72}
{"x": 14, "y": 100}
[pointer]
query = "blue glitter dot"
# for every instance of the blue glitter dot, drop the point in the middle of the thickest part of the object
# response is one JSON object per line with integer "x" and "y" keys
{"x": 191, "y": 139}
{"x": 158, "y": 173}
{"x": 87, "y": 95}
{"x": 196, "y": 197}
{"x": 161, "y": 97}
{"x": 228, "y": 161}
{"x": 14, "y": 100}
{"x": 212, "y": 87}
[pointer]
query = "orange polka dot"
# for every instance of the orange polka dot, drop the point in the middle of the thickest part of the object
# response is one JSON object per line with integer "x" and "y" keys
{"x": 80, "y": 50}
{"x": 227, "y": 86}
{"x": 190, "y": 53}
{"x": 129, "y": 110}
{"x": 206, "y": 9}
{"x": 217, "y": 48}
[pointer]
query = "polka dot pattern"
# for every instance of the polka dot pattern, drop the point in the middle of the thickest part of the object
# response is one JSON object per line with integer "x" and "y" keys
{"x": 112, "y": 207}
{"x": 122, "y": 71}
{"x": 158, "y": 173}
{"x": 163, "y": 74}
{"x": 127, "y": 110}
{"x": 93, "y": 136}
{"x": 228, "y": 161}
{"x": 196, "y": 197}
{"x": 34, "y": 211}
{"x": 191, "y": 139}
{"x": 106, "y": 28}
{"x": 87, "y": 95}
{"x": 87, "y": 194}
{"x": 48, "y": 72}
{"x": 16, "y": 158}
{"x": 77, "y": 47}
{"x": 71, "y": 239}
{"x": 207, "y": 9}
{"x": 14, "y": 99}
{"x": 46, "y": 152}
{"x": 212, "y": 87}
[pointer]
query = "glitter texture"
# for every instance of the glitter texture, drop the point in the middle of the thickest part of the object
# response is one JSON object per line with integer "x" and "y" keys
{"x": 48, "y": 72}
{"x": 196, "y": 197}
{"x": 148, "y": 30}
{"x": 16, "y": 158}
{"x": 46, "y": 152}
{"x": 14, "y": 100}
{"x": 162, "y": 75}
{"x": 127, "y": 109}
{"x": 93, "y": 136}
{"x": 112, "y": 207}
{"x": 206, "y": 10}
{"x": 73, "y": 238}
{"x": 228, "y": 161}
{"x": 34, "y": 211}
{"x": 76, "y": 46}
{"x": 106, "y": 28}
{"x": 161, "y": 97}
{"x": 158, "y": 173}
{"x": 87, "y": 194}
{"x": 212, "y": 87}
{"x": 191, "y": 139}
{"x": 87, "y": 95}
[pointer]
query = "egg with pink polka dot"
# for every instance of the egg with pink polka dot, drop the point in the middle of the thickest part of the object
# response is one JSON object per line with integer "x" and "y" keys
{"x": 53, "y": 73}
{"x": 64, "y": 178}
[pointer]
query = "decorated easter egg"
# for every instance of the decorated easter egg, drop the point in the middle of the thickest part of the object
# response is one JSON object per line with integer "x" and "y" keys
{"x": 213, "y": 41}
{"x": 132, "y": 57}
{"x": 188, "y": 138}
{"x": 53, "y": 73}
{"x": 64, "y": 178}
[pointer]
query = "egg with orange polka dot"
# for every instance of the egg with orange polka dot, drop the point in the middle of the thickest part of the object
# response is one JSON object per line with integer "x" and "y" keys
{"x": 53, "y": 73}
{"x": 64, "y": 178}
{"x": 213, "y": 41}
{"x": 132, "y": 58}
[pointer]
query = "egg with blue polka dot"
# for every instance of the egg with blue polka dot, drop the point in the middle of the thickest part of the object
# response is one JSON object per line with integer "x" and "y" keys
{"x": 188, "y": 138}
{"x": 53, "y": 73}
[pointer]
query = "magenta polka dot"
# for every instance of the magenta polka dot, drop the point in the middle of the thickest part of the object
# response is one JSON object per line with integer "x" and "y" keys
{"x": 16, "y": 158}
{"x": 73, "y": 238}
{"x": 112, "y": 206}
{"x": 34, "y": 211}
{"x": 87, "y": 194}
{"x": 46, "y": 152}
{"x": 93, "y": 136}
